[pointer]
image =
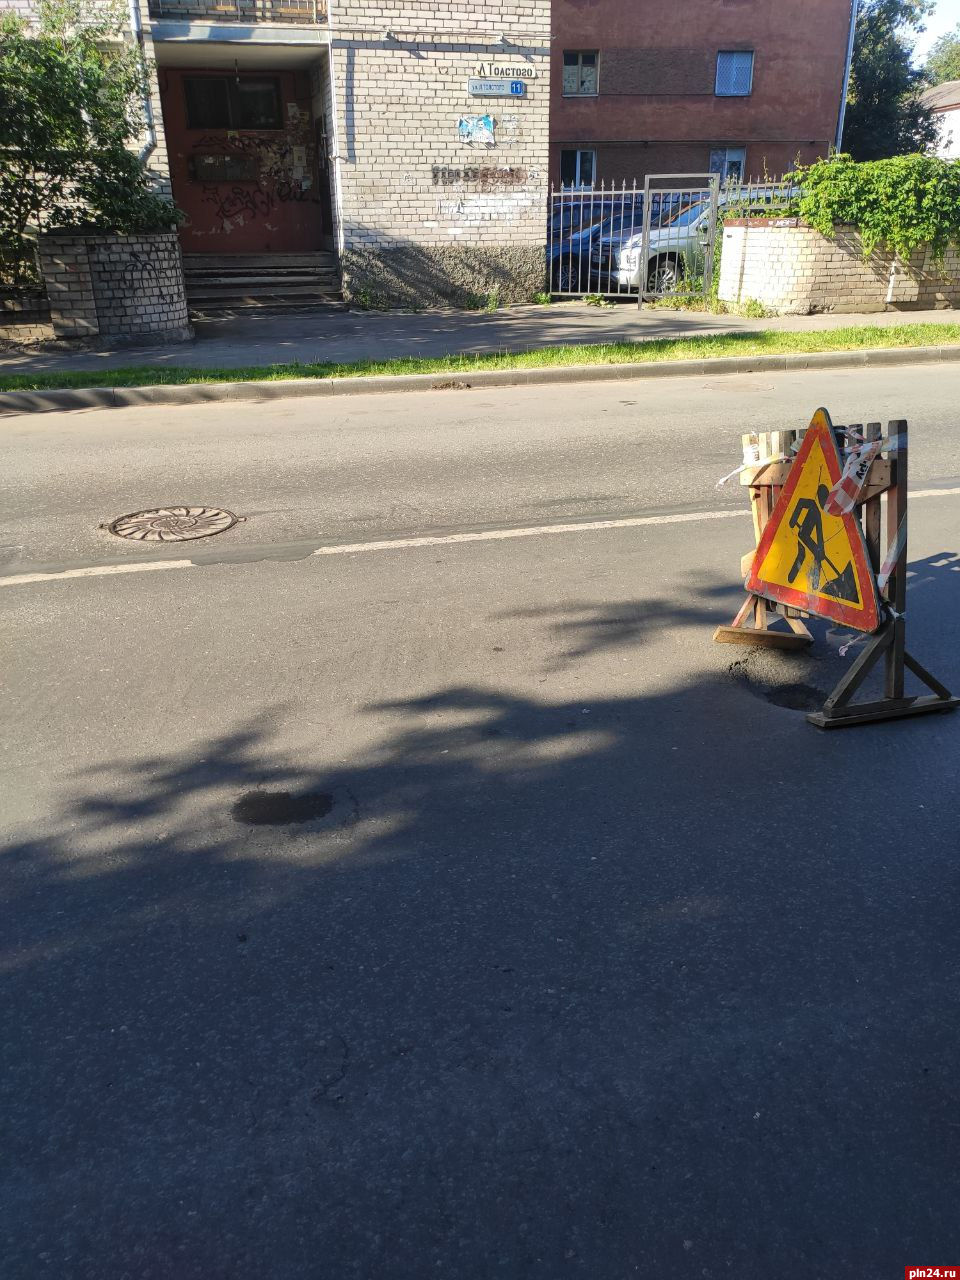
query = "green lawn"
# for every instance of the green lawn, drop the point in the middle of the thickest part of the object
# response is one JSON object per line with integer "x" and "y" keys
{"x": 862, "y": 337}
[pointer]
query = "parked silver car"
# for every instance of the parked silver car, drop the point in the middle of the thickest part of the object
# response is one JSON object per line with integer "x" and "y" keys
{"x": 673, "y": 250}
{"x": 676, "y": 249}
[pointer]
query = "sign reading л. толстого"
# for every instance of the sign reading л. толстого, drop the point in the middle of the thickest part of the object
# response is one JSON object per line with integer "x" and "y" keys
{"x": 505, "y": 71}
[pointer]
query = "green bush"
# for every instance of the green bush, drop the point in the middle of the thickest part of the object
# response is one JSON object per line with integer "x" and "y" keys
{"x": 71, "y": 112}
{"x": 900, "y": 204}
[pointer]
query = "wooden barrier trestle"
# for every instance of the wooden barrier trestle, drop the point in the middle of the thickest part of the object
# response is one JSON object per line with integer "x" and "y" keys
{"x": 875, "y": 589}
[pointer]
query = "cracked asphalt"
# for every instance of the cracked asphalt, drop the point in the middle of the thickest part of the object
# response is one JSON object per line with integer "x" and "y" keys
{"x": 462, "y": 910}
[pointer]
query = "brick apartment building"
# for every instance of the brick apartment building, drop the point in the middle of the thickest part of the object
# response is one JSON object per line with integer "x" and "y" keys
{"x": 723, "y": 86}
{"x": 402, "y": 143}
{"x": 409, "y": 144}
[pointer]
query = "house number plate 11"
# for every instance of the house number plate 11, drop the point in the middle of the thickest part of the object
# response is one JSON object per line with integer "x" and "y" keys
{"x": 496, "y": 88}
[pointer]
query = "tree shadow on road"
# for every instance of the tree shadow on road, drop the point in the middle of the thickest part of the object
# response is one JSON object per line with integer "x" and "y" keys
{"x": 565, "y": 986}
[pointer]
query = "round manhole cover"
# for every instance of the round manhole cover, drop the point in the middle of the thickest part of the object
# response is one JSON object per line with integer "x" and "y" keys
{"x": 173, "y": 524}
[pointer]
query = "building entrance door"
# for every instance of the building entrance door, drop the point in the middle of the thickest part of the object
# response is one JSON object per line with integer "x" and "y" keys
{"x": 243, "y": 161}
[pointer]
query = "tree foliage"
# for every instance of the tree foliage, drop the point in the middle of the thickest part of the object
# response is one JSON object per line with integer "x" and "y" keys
{"x": 71, "y": 94}
{"x": 885, "y": 116}
{"x": 901, "y": 203}
{"x": 943, "y": 60}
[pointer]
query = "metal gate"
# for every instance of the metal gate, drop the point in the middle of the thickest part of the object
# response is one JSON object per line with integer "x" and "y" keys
{"x": 651, "y": 241}
{"x": 678, "y": 238}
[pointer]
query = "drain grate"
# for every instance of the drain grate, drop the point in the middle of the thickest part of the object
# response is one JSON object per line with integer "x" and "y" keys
{"x": 173, "y": 524}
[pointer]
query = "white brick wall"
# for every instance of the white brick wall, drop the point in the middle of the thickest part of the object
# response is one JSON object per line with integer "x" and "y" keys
{"x": 404, "y": 178}
{"x": 404, "y": 172}
{"x": 793, "y": 269}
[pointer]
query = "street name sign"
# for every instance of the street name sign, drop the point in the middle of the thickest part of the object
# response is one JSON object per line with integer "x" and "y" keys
{"x": 496, "y": 88}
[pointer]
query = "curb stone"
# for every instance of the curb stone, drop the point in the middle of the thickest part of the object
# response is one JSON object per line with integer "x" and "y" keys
{"x": 19, "y": 402}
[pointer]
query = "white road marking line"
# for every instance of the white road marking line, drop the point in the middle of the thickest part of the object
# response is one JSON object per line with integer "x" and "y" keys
{"x": 535, "y": 531}
{"x": 440, "y": 540}
{"x": 96, "y": 571}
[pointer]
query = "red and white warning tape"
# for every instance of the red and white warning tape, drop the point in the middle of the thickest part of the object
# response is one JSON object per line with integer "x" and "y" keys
{"x": 843, "y": 496}
{"x": 893, "y": 555}
{"x": 751, "y": 458}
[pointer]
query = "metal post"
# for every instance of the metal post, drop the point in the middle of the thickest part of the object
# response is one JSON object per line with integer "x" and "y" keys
{"x": 644, "y": 243}
{"x": 897, "y": 584}
{"x": 551, "y": 206}
{"x": 711, "y": 238}
{"x": 854, "y": 4}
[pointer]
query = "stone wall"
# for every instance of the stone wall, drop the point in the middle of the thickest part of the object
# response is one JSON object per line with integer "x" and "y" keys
{"x": 25, "y": 319}
{"x": 122, "y": 289}
{"x": 794, "y": 270}
{"x": 436, "y": 204}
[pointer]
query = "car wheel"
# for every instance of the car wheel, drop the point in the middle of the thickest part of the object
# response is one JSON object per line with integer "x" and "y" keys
{"x": 563, "y": 279}
{"x": 664, "y": 276}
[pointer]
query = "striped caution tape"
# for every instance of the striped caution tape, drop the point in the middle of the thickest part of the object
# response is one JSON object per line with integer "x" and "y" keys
{"x": 893, "y": 446}
{"x": 753, "y": 462}
{"x": 751, "y": 458}
{"x": 893, "y": 555}
{"x": 843, "y": 496}
{"x": 854, "y": 640}
{"x": 856, "y": 637}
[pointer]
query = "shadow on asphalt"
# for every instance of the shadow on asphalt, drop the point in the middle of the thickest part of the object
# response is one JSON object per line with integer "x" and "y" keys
{"x": 661, "y": 985}
{"x": 306, "y": 336}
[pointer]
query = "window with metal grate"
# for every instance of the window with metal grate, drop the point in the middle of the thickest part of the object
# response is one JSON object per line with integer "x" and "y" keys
{"x": 734, "y": 73}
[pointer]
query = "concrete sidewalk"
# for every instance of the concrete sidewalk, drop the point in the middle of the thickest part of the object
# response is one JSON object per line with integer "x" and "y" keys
{"x": 333, "y": 335}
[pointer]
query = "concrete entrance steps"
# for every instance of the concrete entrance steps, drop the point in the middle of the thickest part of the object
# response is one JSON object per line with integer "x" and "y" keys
{"x": 251, "y": 280}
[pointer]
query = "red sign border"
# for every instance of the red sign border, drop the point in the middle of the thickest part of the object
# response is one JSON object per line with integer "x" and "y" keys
{"x": 865, "y": 619}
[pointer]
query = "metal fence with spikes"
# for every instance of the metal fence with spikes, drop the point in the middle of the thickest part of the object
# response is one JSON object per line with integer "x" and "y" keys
{"x": 649, "y": 241}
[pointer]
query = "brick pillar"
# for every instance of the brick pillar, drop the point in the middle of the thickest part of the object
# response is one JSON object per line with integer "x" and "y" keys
{"x": 65, "y": 265}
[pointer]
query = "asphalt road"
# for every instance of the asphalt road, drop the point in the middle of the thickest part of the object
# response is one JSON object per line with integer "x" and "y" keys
{"x": 453, "y": 907}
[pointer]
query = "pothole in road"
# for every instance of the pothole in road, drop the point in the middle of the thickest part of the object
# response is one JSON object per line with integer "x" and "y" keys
{"x": 795, "y": 697}
{"x": 281, "y": 808}
{"x": 172, "y": 524}
{"x": 779, "y": 680}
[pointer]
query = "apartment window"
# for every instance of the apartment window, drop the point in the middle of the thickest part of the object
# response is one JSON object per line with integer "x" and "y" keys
{"x": 580, "y": 73}
{"x": 577, "y": 168}
{"x": 221, "y": 102}
{"x": 729, "y": 162}
{"x": 734, "y": 73}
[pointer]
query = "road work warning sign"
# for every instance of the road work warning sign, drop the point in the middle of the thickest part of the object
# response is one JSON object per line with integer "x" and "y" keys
{"x": 807, "y": 557}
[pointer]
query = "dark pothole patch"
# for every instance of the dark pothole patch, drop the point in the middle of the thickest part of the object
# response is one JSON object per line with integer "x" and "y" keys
{"x": 795, "y": 697}
{"x": 774, "y": 679}
{"x": 281, "y": 808}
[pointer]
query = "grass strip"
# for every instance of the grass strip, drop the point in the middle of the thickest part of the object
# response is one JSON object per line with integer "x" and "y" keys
{"x": 707, "y": 346}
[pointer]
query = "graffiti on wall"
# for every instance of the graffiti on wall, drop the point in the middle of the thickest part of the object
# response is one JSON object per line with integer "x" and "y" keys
{"x": 482, "y": 208}
{"x": 487, "y": 177}
{"x": 479, "y": 195}
{"x": 281, "y": 168}
{"x": 239, "y": 204}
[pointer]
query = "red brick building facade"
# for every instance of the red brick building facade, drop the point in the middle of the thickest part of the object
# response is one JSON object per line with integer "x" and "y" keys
{"x": 645, "y": 86}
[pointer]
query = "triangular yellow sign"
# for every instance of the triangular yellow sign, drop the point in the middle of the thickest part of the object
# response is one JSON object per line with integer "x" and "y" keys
{"x": 811, "y": 559}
